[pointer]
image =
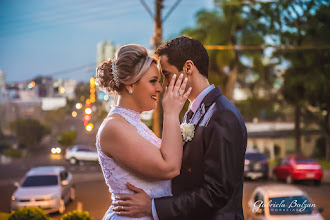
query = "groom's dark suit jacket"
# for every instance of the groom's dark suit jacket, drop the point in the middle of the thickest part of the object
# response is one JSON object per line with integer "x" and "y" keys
{"x": 210, "y": 185}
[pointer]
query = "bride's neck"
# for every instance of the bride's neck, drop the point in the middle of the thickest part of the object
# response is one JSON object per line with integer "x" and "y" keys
{"x": 128, "y": 103}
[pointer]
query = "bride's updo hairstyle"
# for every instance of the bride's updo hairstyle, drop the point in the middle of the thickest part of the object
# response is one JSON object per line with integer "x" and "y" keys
{"x": 129, "y": 65}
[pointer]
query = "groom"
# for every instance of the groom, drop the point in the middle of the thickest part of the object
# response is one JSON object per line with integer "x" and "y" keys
{"x": 210, "y": 184}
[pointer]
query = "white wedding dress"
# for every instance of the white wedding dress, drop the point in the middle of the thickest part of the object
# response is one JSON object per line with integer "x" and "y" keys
{"x": 117, "y": 176}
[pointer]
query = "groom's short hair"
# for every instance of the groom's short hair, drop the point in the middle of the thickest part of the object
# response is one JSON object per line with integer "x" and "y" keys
{"x": 181, "y": 49}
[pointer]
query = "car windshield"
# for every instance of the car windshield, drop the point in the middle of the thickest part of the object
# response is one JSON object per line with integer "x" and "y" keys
{"x": 85, "y": 148}
{"x": 305, "y": 161}
{"x": 49, "y": 180}
{"x": 295, "y": 205}
{"x": 254, "y": 156}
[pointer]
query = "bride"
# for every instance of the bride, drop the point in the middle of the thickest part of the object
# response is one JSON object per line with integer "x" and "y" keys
{"x": 128, "y": 150}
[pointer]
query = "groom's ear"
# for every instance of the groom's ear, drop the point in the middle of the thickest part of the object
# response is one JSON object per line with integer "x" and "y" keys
{"x": 189, "y": 67}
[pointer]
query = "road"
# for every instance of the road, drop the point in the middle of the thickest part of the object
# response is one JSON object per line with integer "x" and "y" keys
{"x": 93, "y": 196}
{"x": 86, "y": 177}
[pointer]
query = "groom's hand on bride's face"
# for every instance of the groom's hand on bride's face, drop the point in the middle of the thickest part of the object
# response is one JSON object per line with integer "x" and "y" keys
{"x": 133, "y": 205}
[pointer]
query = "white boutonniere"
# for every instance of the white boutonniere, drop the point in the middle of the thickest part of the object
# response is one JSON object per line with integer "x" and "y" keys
{"x": 187, "y": 131}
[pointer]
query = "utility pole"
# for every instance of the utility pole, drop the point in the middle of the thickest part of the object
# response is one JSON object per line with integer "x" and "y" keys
{"x": 156, "y": 41}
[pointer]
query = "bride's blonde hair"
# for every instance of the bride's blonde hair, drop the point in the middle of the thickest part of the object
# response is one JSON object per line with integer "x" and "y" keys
{"x": 131, "y": 62}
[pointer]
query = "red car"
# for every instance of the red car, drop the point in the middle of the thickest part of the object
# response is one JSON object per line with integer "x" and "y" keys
{"x": 298, "y": 168}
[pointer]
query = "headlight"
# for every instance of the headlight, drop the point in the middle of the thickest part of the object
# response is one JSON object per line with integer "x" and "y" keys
{"x": 13, "y": 198}
{"x": 56, "y": 150}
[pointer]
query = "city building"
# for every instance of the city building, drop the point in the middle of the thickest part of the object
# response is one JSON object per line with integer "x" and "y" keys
{"x": 277, "y": 139}
{"x": 105, "y": 50}
{"x": 65, "y": 88}
{"x": 3, "y": 89}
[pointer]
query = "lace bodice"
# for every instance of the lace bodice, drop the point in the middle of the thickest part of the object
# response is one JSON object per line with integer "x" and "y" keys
{"x": 117, "y": 176}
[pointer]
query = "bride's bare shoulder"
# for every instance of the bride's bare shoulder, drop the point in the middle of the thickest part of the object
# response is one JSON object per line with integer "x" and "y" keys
{"x": 113, "y": 123}
{"x": 113, "y": 134}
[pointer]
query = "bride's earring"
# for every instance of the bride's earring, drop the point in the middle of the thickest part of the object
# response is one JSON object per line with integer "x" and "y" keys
{"x": 130, "y": 92}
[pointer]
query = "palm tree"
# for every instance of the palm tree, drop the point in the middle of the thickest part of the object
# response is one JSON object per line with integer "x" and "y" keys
{"x": 228, "y": 25}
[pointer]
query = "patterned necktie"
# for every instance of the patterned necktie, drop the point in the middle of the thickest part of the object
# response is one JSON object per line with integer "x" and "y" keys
{"x": 189, "y": 115}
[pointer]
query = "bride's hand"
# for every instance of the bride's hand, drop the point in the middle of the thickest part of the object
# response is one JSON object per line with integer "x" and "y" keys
{"x": 175, "y": 96}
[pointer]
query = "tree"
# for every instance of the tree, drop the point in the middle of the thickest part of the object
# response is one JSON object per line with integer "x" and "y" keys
{"x": 287, "y": 23}
{"x": 1, "y": 134}
{"x": 227, "y": 25}
{"x": 67, "y": 139}
{"x": 29, "y": 132}
{"x": 56, "y": 119}
{"x": 82, "y": 91}
{"x": 317, "y": 89}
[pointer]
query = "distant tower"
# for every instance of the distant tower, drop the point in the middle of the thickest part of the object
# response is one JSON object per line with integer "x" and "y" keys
{"x": 105, "y": 50}
{"x": 2, "y": 81}
{"x": 3, "y": 90}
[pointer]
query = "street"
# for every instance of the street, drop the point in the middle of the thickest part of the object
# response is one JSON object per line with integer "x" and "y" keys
{"x": 92, "y": 194}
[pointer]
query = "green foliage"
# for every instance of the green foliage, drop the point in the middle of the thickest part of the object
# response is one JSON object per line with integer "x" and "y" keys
{"x": 76, "y": 215}
{"x": 275, "y": 162}
{"x": 4, "y": 216}
{"x": 82, "y": 91}
{"x": 226, "y": 25}
{"x": 277, "y": 150}
{"x": 263, "y": 109}
{"x": 320, "y": 148}
{"x": 55, "y": 119}
{"x": 324, "y": 164}
{"x": 10, "y": 152}
{"x": 28, "y": 213}
{"x": 29, "y": 132}
{"x": 306, "y": 79}
{"x": 1, "y": 134}
{"x": 67, "y": 138}
{"x": 3, "y": 145}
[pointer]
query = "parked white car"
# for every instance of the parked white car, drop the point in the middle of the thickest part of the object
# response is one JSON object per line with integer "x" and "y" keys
{"x": 279, "y": 201}
{"x": 81, "y": 153}
{"x": 48, "y": 187}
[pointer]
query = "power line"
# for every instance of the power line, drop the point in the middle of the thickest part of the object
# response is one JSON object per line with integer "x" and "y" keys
{"x": 171, "y": 10}
{"x": 80, "y": 19}
{"x": 67, "y": 20}
{"x": 262, "y": 47}
{"x": 61, "y": 72}
{"x": 147, "y": 8}
{"x": 66, "y": 71}
{"x": 246, "y": 2}
{"x": 49, "y": 13}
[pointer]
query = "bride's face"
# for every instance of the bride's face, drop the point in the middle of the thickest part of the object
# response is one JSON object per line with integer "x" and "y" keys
{"x": 145, "y": 91}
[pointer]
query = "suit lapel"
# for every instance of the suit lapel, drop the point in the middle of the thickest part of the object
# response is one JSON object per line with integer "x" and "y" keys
{"x": 203, "y": 107}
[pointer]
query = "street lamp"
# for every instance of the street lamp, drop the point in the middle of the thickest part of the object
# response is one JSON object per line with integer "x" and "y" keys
{"x": 74, "y": 114}
{"x": 89, "y": 127}
{"x": 62, "y": 90}
{"x": 88, "y": 111}
{"x": 78, "y": 106}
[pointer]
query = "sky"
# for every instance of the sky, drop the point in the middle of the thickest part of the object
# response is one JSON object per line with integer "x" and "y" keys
{"x": 50, "y": 37}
